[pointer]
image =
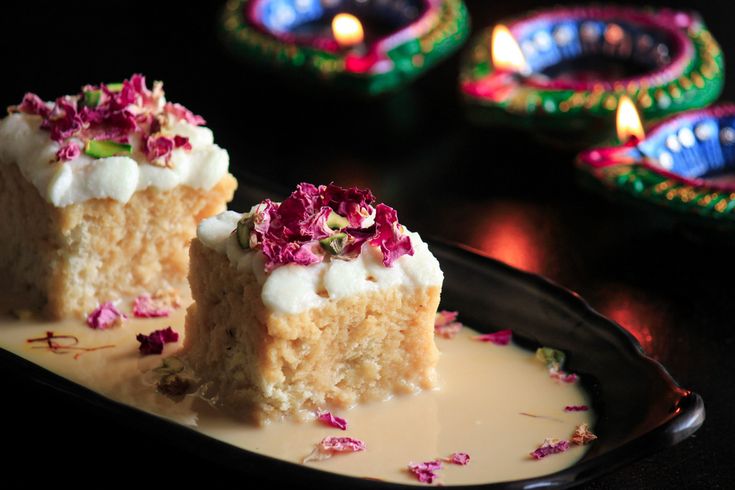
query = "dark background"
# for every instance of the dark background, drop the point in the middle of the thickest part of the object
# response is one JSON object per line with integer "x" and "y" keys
{"x": 495, "y": 190}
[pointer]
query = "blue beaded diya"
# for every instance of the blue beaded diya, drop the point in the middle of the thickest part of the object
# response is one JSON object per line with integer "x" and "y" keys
{"x": 564, "y": 70}
{"x": 685, "y": 165}
{"x": 396, "y": 40}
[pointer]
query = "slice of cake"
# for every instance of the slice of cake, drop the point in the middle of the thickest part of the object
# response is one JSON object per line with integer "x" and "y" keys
{"x": 321, "y": 301}
{"x": 101, "y": 193}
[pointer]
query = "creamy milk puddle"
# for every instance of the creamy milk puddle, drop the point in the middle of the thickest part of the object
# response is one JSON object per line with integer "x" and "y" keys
{"x": 478, "y": 409}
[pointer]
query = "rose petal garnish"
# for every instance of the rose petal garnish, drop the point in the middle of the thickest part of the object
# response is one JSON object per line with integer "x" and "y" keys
{"x": 562, "y": 376}
{"x": 329, "y": 446}
{"x": 299, "y": 230}
{"x": 425, "y": 472}
{"x": 105, "y": 316}
{"x": 550, "y": 446}
{"x": 583, "y": 435}
{"x": 501, "y": 337}
{"x": 332, "y": 421}
{"x": 103, "y": 116}
{"x": 145, "y": 307}
{"x": 153, "y": 343}
{"x": 576, "y": 408}
{"x": 445, "y": 324}
{"x": 68, "y": 151}
{"x": 458, "y": 458}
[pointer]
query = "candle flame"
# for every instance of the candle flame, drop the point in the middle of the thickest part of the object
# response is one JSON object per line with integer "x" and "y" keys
{"x": 347, "y": 30}
{"x": 505, "y": 51}
{"x": 627, "y": 121}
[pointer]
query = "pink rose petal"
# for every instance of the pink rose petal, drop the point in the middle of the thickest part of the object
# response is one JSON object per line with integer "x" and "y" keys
{"x": 501, "y": 337}
{"x": 445, "y": 325}
{"x": 329, "y": 446}
{"x": 105, "y": 316}
{"x": 550, "y": 446}
{"x": 576, "y": 408}
{"x": 145, "y": 307}
{"x": 425, "y": 472}
{"x": 68, "y": 151}
{"x": 331, "y": 420}
{"x": 459, "y": 459}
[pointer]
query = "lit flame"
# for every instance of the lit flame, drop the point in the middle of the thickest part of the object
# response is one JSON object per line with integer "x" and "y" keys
{"x": 347, "y": 30}
{"x": 627, "y": 121}
{"x": 506, "y": 53}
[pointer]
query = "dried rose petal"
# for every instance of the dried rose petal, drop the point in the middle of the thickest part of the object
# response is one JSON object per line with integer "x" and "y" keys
{"x": 182, "y": 113}
{"x": 458, "y": 458}
{"x": 445, "y": 325}
{"x": 146, "y": 307}
{"x": 68, "y": 151}
{"x": 425, "y": 472}
{"x": 105, "y": 316}
{"x": 501, "y": 337}
{"x": 153, "y": 343}
{"x": 331, "y": 420}
{"x": 31, "y": 104}
{"x": 290, "y": 232}
{"x": 576, "y": 408}
{"x": 562, "y": 376}
{"x": 583, "y": 435}
{"x": 330, "y": 446}
{"x": 550, "y": 446}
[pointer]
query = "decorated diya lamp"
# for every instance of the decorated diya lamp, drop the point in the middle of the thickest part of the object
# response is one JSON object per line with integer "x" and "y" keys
{"x": 367, "y": 46}
{"x": 683, "y": 164}
{"x": 561, "y": 72}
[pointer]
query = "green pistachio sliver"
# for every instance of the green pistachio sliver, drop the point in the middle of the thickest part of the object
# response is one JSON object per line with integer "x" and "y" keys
{"x": 92, "y": 98}
{"x": 106, "y": 148}
{"x": 170, "y": 365}
{"x": 551, "y": 357}
{"x": 336, "y": 222}
{"x": 334, "y": 244}
{"x": 114, "y": 87}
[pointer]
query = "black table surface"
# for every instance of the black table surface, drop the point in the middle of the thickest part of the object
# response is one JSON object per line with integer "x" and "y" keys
{"x": 495, "y": 190}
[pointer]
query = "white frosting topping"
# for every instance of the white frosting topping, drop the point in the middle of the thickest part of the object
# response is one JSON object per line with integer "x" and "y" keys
{"x": 119, "y": 177}
{"x": 295, "y": 288}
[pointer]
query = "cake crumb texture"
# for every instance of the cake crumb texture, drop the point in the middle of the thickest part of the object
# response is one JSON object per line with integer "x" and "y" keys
{"x": 266, "y": 366}
{"x": 66, "y": 260}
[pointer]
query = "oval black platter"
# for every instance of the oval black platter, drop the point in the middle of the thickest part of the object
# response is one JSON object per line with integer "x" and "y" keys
{"x": 640, "y": 408}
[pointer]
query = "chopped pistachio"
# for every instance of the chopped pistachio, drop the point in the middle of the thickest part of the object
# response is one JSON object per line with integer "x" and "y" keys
{"x": 244, "y": 227}
{"x": 175, "y": 386}
{"x": 106, "y": 148}
{"x": 336, "y": 222}
{"x": 92, "y": 98}
{"x": 114, "y": 87}
{"x": 334, "y": 244}
{"x": 554, "y": 359}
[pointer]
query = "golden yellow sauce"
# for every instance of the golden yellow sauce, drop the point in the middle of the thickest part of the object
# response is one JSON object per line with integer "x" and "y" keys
{"x": 485, "y": 389}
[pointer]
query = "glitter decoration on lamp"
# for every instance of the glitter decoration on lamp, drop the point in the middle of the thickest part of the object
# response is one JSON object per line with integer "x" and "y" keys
{"x": 364, "y": 46}
{"x": 684, "y": 164}
{"x": 560, "y": 72}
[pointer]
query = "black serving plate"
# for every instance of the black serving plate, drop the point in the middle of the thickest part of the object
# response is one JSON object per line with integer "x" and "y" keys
{"x": 640, "y": 408}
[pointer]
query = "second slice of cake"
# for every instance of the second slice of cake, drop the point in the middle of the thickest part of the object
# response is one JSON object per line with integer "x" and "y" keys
{"x": 321, "y": 301}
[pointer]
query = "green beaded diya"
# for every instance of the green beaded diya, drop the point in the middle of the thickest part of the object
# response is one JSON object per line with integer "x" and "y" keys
{"x": 561, "y": 72}
{"x": 684, "y": 165}
{"x": 366, "y": 46}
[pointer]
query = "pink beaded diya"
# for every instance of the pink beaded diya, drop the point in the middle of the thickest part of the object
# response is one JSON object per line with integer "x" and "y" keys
{"x": 684, "y": 164}
{"x": 367, "y": 46}
{"x": 561, "y": 72}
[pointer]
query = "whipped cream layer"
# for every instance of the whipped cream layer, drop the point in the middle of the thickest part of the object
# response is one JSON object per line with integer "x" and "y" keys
{"x": 63, "y": 183}
{"x": 293, "y": 288}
